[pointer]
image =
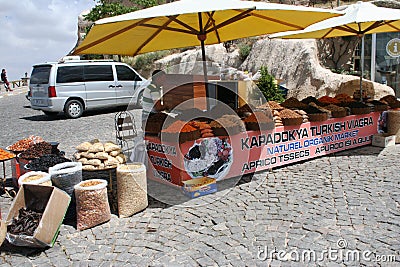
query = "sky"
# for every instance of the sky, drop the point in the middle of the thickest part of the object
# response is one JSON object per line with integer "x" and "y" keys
{"x": 37, "y": 31}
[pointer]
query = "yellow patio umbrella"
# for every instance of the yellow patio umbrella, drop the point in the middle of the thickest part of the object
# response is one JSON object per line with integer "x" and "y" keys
{"x": 194, "y": 22}
{"x": 359, "y": 19}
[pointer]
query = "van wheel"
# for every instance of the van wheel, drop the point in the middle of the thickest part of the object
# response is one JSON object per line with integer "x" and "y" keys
{"x": 73, "y": 109}
{"x": 139, "y": 101}
{"x": 50, "y": 114}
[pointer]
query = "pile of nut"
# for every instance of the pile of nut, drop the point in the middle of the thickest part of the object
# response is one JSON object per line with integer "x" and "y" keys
{"x": 229, "y": 121}
{"x": 24, "y": 144}
{"x": 286, "y": 114}
{"x": 275, "y": 105}
{"x": 277, "y": 119}
{"x": 289, "y": 114}
{"x": 303, "y": 114}
{"x": 92, "y": 206}
{"x": 98, "y": 156}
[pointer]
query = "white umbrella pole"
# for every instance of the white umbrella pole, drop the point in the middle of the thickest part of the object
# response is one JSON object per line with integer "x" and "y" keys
{"x": 362, "y": 67}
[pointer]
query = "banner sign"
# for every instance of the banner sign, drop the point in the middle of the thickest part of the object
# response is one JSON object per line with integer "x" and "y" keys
{"x": 252, "y": 151}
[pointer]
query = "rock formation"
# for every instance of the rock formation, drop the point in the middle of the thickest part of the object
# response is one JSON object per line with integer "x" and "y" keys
{"x": 298, "y": 63}
{"x": 295, "y": 62}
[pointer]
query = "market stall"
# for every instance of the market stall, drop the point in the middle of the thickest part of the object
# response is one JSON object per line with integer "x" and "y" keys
{"x": 54, "y": 189}
{"x": 258, "y": 138}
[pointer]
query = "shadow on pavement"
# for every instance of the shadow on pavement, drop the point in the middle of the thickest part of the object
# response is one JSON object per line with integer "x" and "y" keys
{"x": 162, "y": 195}
{"x": 367, "y": 150}
{"x": 23, "y": 251}
{"x": 61, "y": 116}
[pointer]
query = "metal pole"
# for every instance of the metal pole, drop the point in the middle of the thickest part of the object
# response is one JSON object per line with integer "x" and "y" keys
{"x": 202, "y": 38}
{"x": 362, "y": 67}
{"x": 373, "y": 56}
{"x": 395, "y": 80}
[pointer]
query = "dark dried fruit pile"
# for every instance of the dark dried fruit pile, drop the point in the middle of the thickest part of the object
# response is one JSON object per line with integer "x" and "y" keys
{"x": 376, "y": 103}
{"x": 312, "y": 110}
{"x": 245, "y": 108}
{"x": 45, "y": 162}
{"x": 357, "y": 105}
{"x": 26, "y": 222}
{"x": 36, "y": 150}
{"x": 332, "y": 107}
{"x": 293, "y": 103}
{"x": 311, "y": 99}
{"x": 391, "y": 101}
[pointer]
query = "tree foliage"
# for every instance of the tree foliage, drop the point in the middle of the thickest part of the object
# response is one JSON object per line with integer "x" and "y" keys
{"x": 269, "y": 87}
{"x": 104, "y": 8}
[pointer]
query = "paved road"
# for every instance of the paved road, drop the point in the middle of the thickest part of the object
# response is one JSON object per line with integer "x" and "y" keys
{"x": 299, "y": 215}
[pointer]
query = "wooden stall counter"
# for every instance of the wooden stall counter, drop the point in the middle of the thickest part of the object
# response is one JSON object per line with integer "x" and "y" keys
{"x": 224, "y": 157}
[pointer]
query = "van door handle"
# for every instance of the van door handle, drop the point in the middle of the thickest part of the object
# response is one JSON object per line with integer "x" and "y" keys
{"x": 111, "y": 86}
{"x": 119, "y": 86}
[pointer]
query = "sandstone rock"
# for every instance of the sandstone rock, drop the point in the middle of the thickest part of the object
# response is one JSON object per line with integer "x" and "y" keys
{"x": 188, "y": 61}
{"x": 296, "y": 62}
{"x": 293, "y": 61}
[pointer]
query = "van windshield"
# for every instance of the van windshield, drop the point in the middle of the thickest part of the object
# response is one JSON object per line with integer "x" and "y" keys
{"x": 40, "y": 74}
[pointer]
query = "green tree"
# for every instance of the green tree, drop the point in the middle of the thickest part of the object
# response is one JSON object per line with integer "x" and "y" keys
{"x": 269, "y": 87}
{"x": 110, "y": 8}
{"x": 244, "y": 50}
{"x": 104, "y": 8}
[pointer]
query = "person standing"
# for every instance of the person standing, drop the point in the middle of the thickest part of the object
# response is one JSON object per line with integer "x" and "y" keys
{"x": 152, "y": 96}
{"x": 4, "y": 79}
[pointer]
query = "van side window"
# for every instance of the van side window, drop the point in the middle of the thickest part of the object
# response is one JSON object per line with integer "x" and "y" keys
{"x": 98, "y": 73}
{"x": 69, "y": 74}
{"x": 126, "y": 74}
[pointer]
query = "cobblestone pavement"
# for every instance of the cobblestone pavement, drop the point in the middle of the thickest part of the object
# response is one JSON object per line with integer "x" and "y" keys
{"x": 340, "y": 210}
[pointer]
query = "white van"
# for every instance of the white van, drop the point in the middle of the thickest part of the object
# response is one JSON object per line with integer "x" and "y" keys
{"x": 77, "y": 85}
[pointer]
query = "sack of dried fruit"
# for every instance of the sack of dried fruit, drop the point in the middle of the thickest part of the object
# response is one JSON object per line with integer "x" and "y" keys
{"x": 33, "y": 177}
{"x": 66, "y": 175}
{"x": 92, "y": 206}
{"x": 132, "y": 188}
